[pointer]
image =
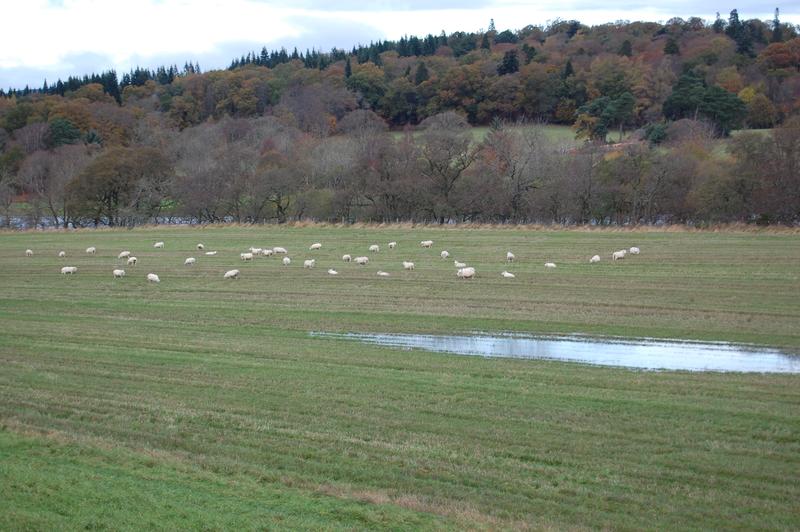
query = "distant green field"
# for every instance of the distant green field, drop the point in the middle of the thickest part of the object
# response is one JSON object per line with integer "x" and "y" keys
{"x": 205, "y": 403}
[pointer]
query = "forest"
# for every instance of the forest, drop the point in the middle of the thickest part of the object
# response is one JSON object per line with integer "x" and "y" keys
{"x": 683, "y": 122}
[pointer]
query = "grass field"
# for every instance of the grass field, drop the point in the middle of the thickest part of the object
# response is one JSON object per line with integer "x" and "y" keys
{"x": 203, "y": 403}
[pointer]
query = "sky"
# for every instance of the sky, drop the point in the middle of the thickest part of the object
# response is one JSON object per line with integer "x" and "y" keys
{"x": 51, "y": 39}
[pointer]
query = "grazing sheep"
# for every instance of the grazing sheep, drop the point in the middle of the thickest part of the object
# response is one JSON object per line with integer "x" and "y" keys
{"x": 408, "y": 265}
{"x": 231, "y": 274}
{"x": 153, "y": 278}
{"x": 158, "y": 245}
{"x": 315, "y": 245}
{"x": 69, "y": 269}
{"x": 510, "y": 257}
{"x": 62, "y": 254}
{"x": 201, "y": 247}
{"x": 124, "y": 254}
{"x": 508, "y": 275}
{"x": 309, "y": 263}
{"x": 618, "y": 255}
{"x": 29, "y": 253}
{"x": 189, "y": 261}
{"x": 91, "y": 250}
{"x": 331, "y": 271}
{"x": 459, "y": 265}
{"x": 279, "y": 250}
{"x": 361, "y": 260}
{"x": 466, "y": 273}
{"x": 211, "y": 253}
{"x": 374, "y": 248}
{"x": 246, "y": 256}
{"x": 119, "y": 273}
{"x": 426, "y": 243}
{"x": 267, "y": 252}
{"x": 392, "y": 245}
{"x": 595, "y": 258}
{"x": 549, "y": 264}
{"x": 287, "y": 261}
{"x": 347, "y": 258}
{"x": 255, "y": 251}
{"x": 132, "y": 261}
{"x": 634, "y": 250}
{"x": 445, "y": 254}
{"x": 383, "y": 274}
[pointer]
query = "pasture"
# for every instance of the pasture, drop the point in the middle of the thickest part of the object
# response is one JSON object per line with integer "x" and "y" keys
{"x": 203, "y": 402}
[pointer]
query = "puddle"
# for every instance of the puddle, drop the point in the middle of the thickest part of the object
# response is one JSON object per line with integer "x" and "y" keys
{"x": 642, "y": 353}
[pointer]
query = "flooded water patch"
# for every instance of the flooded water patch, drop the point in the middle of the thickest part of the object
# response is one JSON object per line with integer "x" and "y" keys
{"x": 642, "y": 353}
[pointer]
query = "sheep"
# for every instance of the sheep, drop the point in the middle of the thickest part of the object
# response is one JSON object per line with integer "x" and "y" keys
{"x": 231, "y": 274}
{"x": 445, "y": 254}
{"x": 392, "y": 245}
{"x": 315, "y": 245}
{"x": 383, "y": 274}
{"x": 132, "y": 261}
{"x": 69, "y": 269}
{"x": 508, "y": 275}
{"x": 362, "y": 261}
{"x": 466, "y": 273}
{"x": 510, "y": 257}
{"x": 408, "y": 265}
{"x": 124, "y": 254}
{"x": 374, "y": 248}
{"x": 267, "y": 252}
{"x": 331, "y": 271}
{"x": 158, "y": 245}
{"x": 119, "y": 274}
{"x": 153, "y": 278}
{"x": 62, "y": 254}
{"x": 189, "y": 261}
{"x": 200, "y": 247}
{"x": 459, "y": 265}
{"x": 309, "y": 263}
{"x": 347, "y": 258}
{"x": 29, "y": 253}
{"x": 595, "y": 258}
{"x": 426, "y": 243}
{"x": 549, "y": 264}
{"x": 279, "y": 250}
{"x": 91, "y": 250}
{"x": 287, "y": 261}
{"x": 246, "y": 256}
{"x": 255, "y": 251}
{"x": 211, "y": 253}
{"x": 618, "y": 255}
{"x": 634, "y": 250}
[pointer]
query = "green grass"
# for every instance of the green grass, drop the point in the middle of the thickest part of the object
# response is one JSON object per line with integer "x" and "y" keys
{"x": 203, "y": 403}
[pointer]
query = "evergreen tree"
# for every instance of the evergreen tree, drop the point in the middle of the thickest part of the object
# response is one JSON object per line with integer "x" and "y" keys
{"x": 529, "y": 51}
{"x": 509, "y": 64}
{"x": 568, "y": 70}
{"x": 421, "y": 74}
{"x": 492, "y": 29}
{"x": 777, "y": 30}
{"x": 485, "y": 42}
{"x": 719, "y": 24}
{"x": 671, "y": 47}
{"x": 626, "y": 49}
{"x": 348, "y": 69}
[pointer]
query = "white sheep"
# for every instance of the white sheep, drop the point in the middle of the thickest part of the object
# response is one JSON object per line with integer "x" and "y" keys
{"x": 91, "y": 250}
{"x": 374, "y": 248}
{"x": 331, "y": 271}
{"x": 383, "y": 274}
{"x": 309, "y": 263}
{"x": 510, "y": 257}
{"x": 132, "y": 261}
{"x": 361, "y": 260}
{"x": 200, "y": 247}
{"x": 634, "y": 250}
{"x": 267, "y": 252}
{"x": 466, "y": 273}
{"x": 255, "y": 251}
{"x": 618, "y": 255}
{"x": 595, "y": 258}
{"x": 347, "y": 258}
{"x": 211, "y": 253}
{"x": 408, "y": 265}
{"x": 246, "y": 256}
{"x": 426, "y": 243}
{"x": 189, "y": 261}
{"x": 62, "y": 254}
{"x": 549, "y": 264}
{"x": 231, "y": 274}
{"x": 158, "y": 245}
{"x": 392, "y": 245}
{"x": 508, "y": 275}
{"x": 124, "y": 254}
{"x": 29, "y": 253}
{"x": 69, "y": 269}
{"x": 287, "y": 261}
{"x": 279, "y": 250}
{"x": 459, "y": 265}
{"x": 315, "y": 245}
{"x": 119, "y": 273}
{"x": 153, "y": 278}
{"x": 445, "y": 254}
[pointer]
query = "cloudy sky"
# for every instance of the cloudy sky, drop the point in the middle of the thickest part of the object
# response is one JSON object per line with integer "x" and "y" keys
{"x": 44, "y": 39}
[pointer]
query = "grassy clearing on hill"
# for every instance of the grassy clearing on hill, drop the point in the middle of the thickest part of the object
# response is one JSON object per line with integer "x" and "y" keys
{"x": 200, "y": 402}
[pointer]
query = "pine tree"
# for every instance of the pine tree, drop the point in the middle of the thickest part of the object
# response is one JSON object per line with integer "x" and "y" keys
{"x": 485, "y": 42}
{"x": 671, "y": 47}
{"x": 777, "y": 30}
{"x": 509, "y": 64}
{"x": 626, "y": 49}
{"x": 492, "y": 29}
{"x": 348, "y": 69}
{"x": 421, "y": 74}
{"x": 568, "y": 70}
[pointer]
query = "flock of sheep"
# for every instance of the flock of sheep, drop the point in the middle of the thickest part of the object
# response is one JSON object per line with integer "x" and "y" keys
{"x": 462, "y": 270}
